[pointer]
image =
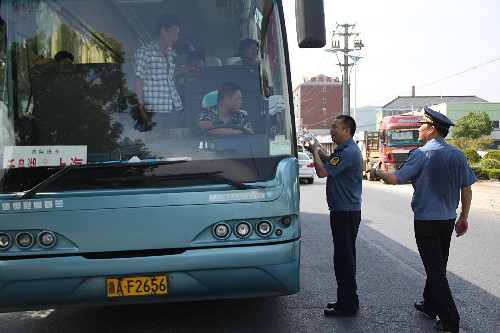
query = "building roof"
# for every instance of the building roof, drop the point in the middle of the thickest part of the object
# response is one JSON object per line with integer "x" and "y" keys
{"x": 414, "y": 102}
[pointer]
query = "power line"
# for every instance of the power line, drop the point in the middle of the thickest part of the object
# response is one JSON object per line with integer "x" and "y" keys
{"x": 439, "y": 80}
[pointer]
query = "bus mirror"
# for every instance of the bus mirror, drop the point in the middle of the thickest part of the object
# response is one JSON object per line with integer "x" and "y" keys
{"x": 382, "y": 136}
{"x": 310, "y": 16}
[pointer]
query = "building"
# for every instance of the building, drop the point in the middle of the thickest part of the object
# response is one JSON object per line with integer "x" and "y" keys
{"x": 455, "y": 111}
{"x": 415, "y": 104}
{"x": 317, "y": 101}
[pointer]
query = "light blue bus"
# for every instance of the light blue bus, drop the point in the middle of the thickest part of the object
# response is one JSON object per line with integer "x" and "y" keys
{"x": 102, "y": 206}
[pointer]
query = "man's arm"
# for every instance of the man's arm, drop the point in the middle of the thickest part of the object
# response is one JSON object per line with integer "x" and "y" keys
{"x": 387, "y": 177}
{"x": 319, "y": 158}
{"x": 322, "y": 156}
{"x": 139, "y": 94}
{"x": 462, "y": 225}
{"x": 218, "y": 131}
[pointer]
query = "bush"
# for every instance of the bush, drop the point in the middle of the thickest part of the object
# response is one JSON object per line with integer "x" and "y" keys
{"x": 493, "y": 154}
{"x": 472, "y": 155}
{"x": 489, "y": 163}
{"x": 477, "y": 144}
{"x": 480, "y": 172}
{"x": 493, "y": 173}
{"x": 460, "y": 143}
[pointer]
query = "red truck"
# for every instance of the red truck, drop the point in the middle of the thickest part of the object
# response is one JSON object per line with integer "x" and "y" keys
{"x": 397, "y": 136}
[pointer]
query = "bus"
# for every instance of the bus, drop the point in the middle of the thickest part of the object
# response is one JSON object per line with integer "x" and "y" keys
{"x": 100, "y": 206}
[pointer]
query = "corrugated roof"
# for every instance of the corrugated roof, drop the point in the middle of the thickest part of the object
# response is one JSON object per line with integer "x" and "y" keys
{"x": 407, "y": 102}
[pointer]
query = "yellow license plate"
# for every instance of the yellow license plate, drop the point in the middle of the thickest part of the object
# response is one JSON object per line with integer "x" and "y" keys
{"x": 137, "y": 286}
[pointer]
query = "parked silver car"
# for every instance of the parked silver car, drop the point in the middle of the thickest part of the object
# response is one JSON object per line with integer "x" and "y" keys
{"x": 306, "y": 168}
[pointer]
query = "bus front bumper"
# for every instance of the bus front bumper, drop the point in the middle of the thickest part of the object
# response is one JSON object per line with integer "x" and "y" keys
{"x": 196, "y": 274}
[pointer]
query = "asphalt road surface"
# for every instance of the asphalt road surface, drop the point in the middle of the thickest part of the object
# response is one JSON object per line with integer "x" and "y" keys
{"x": 390, "y": 278}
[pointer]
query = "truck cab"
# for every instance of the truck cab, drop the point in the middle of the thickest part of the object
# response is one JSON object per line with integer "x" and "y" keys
{"x": 398, "y": 136}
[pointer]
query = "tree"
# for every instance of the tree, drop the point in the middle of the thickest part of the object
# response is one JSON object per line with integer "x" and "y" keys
{"x": 473, "y": 125}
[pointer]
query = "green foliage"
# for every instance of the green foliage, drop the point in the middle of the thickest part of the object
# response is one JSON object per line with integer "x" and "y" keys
{"x": 481, "y": 143}
{"x": 493, "y": 173}
{"x": 494, "y": 154}
{"x": 490, "y": 163}
{"x": 473, "y": 125}
{"x": 479, "y": 172}
{"x": 477, "y": 144}
{"x": 129, "y": 148}
{"x": 472, "y": 155}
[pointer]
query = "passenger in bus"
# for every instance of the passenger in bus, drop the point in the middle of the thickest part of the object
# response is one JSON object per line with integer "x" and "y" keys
{"x": 195, "y": 61}
{"x": 155, "y": 72}
{"x": 226, "y": 113}
{"x": 247, "y": 51}
{"x": 64, "y": 58}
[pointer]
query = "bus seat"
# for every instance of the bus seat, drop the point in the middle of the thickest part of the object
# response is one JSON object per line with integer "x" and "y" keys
{"x": 212, "y": 62}
{"x": 232, "y": 60}
{"x": 210, "y": 99}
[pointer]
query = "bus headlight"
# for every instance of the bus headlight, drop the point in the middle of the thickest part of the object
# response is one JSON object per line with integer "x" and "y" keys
{"x": 5, "y": 241}
{"x": 264, "y": 228}
{"x": 46, "y": 239}
{"x": 221, "y": 231}
{"x": 24, "y": 240}
{"x": 243, "y": 229}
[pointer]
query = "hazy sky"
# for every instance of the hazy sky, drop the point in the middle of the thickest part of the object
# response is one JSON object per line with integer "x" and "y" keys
{"x": 409, "y": 43}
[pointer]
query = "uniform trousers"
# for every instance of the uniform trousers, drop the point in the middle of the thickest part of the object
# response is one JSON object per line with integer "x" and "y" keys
{"x": 433, "y": 242}
{"x": 345, "y": 225}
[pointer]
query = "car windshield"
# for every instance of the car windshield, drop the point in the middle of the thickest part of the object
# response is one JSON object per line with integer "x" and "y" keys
{"x": 403, "y": 137}
{"x": 97, "y": 82}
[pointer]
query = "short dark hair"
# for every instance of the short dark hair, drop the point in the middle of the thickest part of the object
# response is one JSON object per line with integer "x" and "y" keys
{"x": 166, "y": 21}
{"x": 441, "y": 130}
{"x": 227, "y": 89}
{"x": 347, "y": 121}
{"x": 195, "y": 55}
{"x": 244, "y": 44}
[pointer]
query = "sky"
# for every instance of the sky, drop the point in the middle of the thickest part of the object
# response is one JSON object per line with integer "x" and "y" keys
{"x": 442, "y": 47}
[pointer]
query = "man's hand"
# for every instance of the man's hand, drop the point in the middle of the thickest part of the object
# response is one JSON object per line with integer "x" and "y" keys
{"x": 461, "y": 226}
{"x": 372, "y": 173}
{"x": 312, "y": 146}
{"x": 143, "y": 115}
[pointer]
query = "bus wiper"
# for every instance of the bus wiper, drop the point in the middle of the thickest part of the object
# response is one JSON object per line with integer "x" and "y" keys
{"x": 214, "y": 175}
{"x": 40, "y": 186}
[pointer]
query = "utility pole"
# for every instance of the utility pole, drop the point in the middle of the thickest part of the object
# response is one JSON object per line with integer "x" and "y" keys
{"x": 358, "y": 44}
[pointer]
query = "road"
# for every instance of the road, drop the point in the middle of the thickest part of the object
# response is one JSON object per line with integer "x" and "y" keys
{"x": 390, "y": 279}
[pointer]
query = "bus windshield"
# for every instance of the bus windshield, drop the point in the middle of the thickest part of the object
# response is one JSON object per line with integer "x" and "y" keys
{"x": 403, "y": 137}
{"x": 104, "y": 83}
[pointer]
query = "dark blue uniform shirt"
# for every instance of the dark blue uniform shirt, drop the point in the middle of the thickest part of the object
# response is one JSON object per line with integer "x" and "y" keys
{"x": 345, "y": 173}
{"x": 438, "y": 171}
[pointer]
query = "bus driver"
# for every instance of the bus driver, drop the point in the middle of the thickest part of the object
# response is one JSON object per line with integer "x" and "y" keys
{"x": 226, "y": 113}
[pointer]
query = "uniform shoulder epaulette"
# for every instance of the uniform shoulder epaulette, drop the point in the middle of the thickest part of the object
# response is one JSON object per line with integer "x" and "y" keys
{"x": 339, "y": 149}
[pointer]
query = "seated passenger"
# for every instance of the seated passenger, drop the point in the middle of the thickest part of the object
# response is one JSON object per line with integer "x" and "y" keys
{"x": 226, "y": 113}
{"x": 248, "y": 51}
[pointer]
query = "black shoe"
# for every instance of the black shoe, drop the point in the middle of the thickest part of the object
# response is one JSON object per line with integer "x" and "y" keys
{"x": 420, "y": 308}
{"x": 338, "y": 313}
{"x": 439, "y": 326}
{"x": 332, "y": 305}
